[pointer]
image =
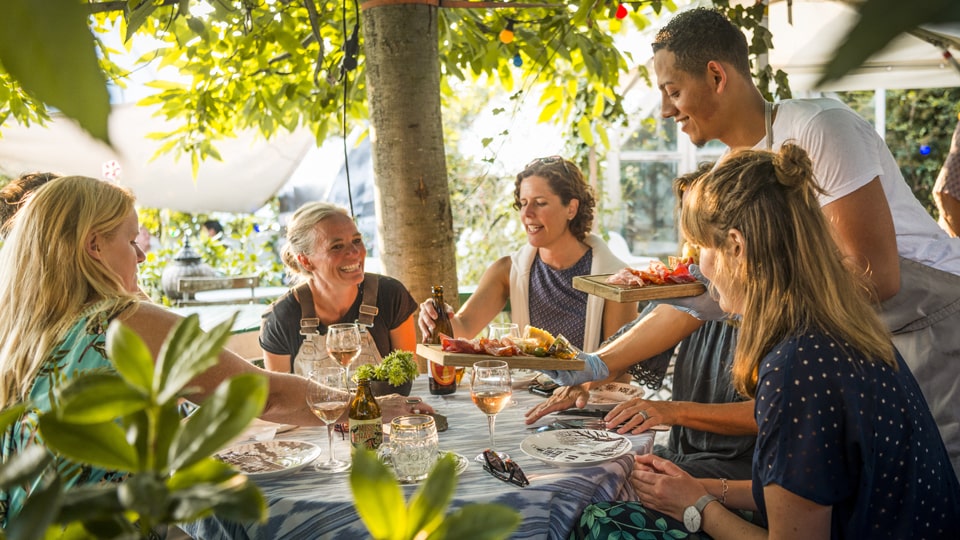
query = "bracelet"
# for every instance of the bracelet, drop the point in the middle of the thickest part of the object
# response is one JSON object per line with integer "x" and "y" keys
{"x": 723, "y": 491}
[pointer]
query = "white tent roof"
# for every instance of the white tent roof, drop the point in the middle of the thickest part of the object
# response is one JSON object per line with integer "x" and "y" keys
{"x": 803, "y": 49}
{"x": 252, "y": 169}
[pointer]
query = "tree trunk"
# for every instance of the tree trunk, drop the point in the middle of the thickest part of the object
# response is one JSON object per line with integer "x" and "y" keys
{"x": 415, "y": 222}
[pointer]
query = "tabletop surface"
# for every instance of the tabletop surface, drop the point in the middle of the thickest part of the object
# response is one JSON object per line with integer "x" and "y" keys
{"x": 248, "y": 315}
{"x": 309, "y": 504}
{"x": 259, "y": 294}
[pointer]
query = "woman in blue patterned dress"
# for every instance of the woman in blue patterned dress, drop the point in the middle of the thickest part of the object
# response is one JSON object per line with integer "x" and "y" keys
{"x": 847, "y": 447}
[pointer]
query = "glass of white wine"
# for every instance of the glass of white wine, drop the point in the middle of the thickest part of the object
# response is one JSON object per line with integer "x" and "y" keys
{"x": 343, "y": 342}
{"x": 328, "y": 398}
{"x": 490, "y": 389}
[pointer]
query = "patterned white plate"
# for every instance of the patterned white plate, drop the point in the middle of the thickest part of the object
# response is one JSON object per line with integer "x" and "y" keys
{"x": 576, "y": 447}
{"x": 523, "y": 378}
{"x": 607, "y": 396}
{"x": 265, "y": 459}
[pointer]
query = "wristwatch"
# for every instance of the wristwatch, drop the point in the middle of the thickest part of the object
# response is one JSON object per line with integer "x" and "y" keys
{"x": 693, "y": 515}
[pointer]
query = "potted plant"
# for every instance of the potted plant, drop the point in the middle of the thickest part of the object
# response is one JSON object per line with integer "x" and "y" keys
{"x": 394, "y": 375}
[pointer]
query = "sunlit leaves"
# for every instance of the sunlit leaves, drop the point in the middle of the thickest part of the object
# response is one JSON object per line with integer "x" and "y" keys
{"x": 47, "y": 46}
{"x": 387, "y": 516}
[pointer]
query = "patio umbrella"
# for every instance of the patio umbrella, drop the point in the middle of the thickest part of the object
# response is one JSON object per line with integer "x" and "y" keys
{"x": 807, "y": 32}
{"x": 251, "y": 171}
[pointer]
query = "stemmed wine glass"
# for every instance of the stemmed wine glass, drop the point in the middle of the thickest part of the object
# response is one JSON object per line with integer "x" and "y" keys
{"x": 328, "y": 398}
{"x": 503, "y": 330}
{"x": 499, "y": 331}
{"x": 343, "y": 345}
{"x": 491, "y": 390}
{"x": 343, "y": 342}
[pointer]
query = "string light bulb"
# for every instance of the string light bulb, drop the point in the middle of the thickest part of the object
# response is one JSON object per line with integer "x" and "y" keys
{"x": 925, "y": 149}
{"x": 517, "y": 60}
{"x": 506, "y": 35}
{"x": 621, "y": 11}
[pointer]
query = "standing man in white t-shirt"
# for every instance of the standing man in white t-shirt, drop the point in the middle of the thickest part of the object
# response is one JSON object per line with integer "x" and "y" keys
{"x": 878, "y": 223}
{"x": 703, "y": 73}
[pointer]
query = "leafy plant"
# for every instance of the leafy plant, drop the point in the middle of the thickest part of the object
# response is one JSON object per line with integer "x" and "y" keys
{"x": 387, "y": 516}
{"x": 396, "y": 368}
{"x": 127, "y": 420}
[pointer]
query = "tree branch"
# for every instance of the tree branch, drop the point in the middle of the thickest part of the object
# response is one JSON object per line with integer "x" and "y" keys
{"x": 119, "y": 5}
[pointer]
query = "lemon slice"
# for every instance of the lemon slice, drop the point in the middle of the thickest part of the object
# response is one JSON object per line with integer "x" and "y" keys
{"x": 544, "y": 338}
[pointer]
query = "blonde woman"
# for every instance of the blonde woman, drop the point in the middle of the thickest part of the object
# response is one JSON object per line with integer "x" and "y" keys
{"x": 67, "y": 269}
{"x": 325, "y": 254}
{"x": 847, "y": 447}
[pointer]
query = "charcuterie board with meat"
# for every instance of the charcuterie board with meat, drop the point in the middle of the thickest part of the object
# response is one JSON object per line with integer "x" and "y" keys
{"x": 598, "y": 286}
{"x": 657, "y": 281}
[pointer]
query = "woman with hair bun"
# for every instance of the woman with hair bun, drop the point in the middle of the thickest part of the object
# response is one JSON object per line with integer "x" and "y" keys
{"x": 325, "y": 255}
{"x": 847, "y": 446}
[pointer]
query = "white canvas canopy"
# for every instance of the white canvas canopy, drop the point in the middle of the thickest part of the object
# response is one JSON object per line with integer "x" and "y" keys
{"x": 803, "y": 48}
{"x": 252, "y": 169}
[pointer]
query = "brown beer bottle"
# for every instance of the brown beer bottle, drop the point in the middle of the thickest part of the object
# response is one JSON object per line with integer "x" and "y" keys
{"x": 442, "y": 379}
{"x": 366, "y": 419}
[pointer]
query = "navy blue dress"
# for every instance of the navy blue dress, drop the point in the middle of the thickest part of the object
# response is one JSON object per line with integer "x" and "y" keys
{"x": 846, "y": 432}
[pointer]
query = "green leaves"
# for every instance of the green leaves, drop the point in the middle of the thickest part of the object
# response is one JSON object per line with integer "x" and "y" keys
{"x": 380, "y": 504}
{"x": 223, "y": 416}
{"x": 47, "y": 46}
{"x": 377, "y": 497}
{"x": 127, "y": 421}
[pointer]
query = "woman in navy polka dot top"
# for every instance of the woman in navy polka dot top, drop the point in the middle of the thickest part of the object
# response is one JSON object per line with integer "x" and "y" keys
{"x": 847, "y": 447}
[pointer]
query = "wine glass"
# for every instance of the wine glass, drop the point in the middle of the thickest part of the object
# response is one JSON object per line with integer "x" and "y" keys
{"x": 491, "y": 390}
{"x": 500, "y": 331}
{"x": 343, "y": 342}
{"x": 503, "y": 330}
{"x": 328, "y": 398}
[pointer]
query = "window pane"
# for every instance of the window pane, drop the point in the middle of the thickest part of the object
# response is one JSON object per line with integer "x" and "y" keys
{"x": 654, "y": 134}
{"x": 649, "y": 223}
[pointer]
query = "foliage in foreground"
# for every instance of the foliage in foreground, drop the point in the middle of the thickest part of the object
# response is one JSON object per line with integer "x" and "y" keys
{"x": 380, "y": 504}
{"x": 127, "y": 420}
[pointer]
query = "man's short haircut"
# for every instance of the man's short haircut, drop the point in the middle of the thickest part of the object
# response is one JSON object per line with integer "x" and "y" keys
{"x": 702, "y": 35}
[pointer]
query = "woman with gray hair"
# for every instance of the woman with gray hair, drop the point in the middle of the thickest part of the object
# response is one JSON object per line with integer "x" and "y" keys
{"x": 325, "y": 255}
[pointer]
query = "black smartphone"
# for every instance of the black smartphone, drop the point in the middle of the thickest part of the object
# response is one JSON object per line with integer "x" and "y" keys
{"x": 544, "y": 389}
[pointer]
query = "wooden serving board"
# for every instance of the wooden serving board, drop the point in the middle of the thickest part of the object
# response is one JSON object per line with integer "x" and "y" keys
{"x": 435, "y": 354}
{"x": 622, "y": 293}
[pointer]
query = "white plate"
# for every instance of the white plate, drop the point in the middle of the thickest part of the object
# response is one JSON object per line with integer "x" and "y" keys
{"x": 460, "y": 464}
{"x": 522, "y": 378}
{"x": 266, "y": 459}
{"x": 576, "y": 447}
{"x": 607, "y": 396}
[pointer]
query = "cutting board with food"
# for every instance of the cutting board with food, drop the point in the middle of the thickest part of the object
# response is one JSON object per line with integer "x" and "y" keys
{"x": 657, "y": 281}
{"x": 537, "y": 349}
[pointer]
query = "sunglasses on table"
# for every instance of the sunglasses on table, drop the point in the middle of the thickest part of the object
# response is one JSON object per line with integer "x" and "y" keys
{"x": 506, "y": 470}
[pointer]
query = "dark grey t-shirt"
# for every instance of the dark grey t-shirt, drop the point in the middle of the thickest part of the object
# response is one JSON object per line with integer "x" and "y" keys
{"x": 280, "y": 332}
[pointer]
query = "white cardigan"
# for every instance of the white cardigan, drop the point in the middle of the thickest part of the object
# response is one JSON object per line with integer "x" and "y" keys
{"x": 604, "y": 262}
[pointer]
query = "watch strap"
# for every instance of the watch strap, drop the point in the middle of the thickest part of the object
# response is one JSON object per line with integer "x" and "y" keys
{"x": 702, "y": 503}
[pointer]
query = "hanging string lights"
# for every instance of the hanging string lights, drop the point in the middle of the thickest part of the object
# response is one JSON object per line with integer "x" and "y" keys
{"x": 506, "y": 35}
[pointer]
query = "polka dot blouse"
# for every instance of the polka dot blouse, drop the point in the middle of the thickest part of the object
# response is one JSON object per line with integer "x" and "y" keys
{"x": 856, "y": 435}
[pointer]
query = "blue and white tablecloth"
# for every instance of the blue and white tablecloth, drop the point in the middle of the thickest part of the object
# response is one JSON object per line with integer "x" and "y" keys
{"x": 309, "y": 504}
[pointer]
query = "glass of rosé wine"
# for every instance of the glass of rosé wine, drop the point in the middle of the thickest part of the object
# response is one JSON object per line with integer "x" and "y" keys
{"x": 491, "y": 390}
{"x": 328, "y": 398}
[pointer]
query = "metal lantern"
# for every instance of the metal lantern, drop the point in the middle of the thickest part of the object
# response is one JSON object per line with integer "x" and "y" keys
{"x": 187, "y": 263}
